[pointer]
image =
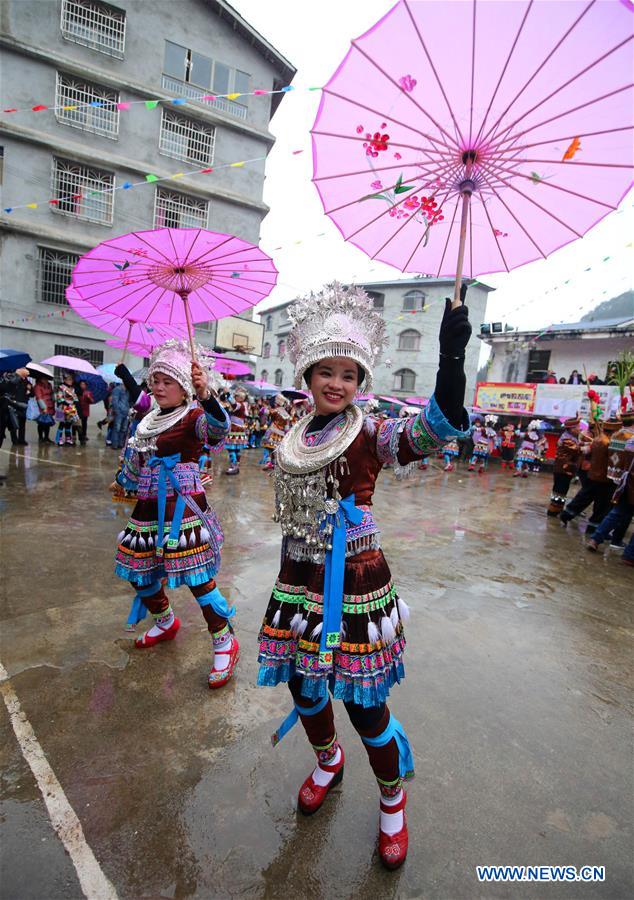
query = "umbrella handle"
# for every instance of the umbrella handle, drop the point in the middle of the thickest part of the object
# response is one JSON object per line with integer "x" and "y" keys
{"x": 125, "y": 346}
{"x": 190, "y": 328}
{"x": 466, "y": 189}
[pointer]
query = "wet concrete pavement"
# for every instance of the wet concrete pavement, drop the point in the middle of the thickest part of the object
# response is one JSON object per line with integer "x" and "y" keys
{"x": 516, "y": 701}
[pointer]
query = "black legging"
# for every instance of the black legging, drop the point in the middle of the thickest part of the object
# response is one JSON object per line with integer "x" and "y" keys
{"x": 42, "y": 432}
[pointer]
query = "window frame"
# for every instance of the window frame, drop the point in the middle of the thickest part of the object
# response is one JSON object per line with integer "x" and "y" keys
{"x": 106, "y": 189}
{"x": 198, "y": 126}
{"x": 399, "y": 374}
{"x": 409, "y": 332}
{"x": 179, "y": 194}
{"x": 70, "y": 118}
{"x": 422, "y": 298}
{"x": 96, "y": 7}
{"x": 39, "y": 276}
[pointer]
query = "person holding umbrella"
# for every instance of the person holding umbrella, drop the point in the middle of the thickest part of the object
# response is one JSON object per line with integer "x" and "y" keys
{"x": 334, "y": 622}
{"x": 43, "y": 393}
{"x": 173, "y": 537}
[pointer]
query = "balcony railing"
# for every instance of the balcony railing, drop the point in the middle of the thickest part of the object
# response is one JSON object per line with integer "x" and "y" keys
{"x": 184, "y": 89}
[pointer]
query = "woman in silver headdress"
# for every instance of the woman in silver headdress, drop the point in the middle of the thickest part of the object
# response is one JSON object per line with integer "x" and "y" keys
{"x": 173, "y": 537}
{"x": 334, "y": 623}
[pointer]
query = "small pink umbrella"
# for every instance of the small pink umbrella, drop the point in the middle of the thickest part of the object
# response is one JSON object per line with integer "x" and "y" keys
{"x": 362, "y": 398}
{"x": 70, "y": 363}
{"x": 417, "y": 401}
{"x": 229, "y": 366}
{"x": 145, "y": 275}
{"x": 129, "y": 331}
{"x": 391, "y": 400}
{"x": 477, "y": 137}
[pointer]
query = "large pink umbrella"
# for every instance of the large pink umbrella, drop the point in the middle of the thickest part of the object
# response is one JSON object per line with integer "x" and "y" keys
{"x": 174, "y": 276}
{"x": 478, "y": 136}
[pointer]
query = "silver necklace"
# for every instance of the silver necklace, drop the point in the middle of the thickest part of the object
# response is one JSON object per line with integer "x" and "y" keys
{"x": 307, "y": 480}
{"x": 153, "y": 424}
{"x": 295, "y": 457}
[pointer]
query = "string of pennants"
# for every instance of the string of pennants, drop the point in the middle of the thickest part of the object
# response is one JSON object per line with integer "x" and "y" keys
{"x": 359, "y": 280}
{"x": 153, "y": 103}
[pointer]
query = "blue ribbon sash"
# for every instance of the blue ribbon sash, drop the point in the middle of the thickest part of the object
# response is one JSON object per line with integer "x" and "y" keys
{"x": 395, "y": 730}
{"x": 293, "y": 716}
{"x": 334, "y": 570}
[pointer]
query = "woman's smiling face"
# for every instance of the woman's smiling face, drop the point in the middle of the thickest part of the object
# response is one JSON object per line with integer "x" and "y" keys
{"x": 334, "y": 383}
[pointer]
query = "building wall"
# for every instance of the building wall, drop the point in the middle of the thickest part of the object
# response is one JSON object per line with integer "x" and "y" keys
{"x": 566, "y": 355}
{"x": 423, "y": 362}
{"x": 33, "y": 50}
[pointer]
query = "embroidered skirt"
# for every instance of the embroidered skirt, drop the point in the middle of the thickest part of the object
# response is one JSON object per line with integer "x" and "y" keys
{"x": 526, "y": 455}
{"x": 369, "y": 660}
{"x": 237, "y": 440}
{"x": 194, "y": 560}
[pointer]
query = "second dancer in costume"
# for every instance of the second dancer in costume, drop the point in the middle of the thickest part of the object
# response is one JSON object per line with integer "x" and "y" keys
{"x": 334, "y": 622}
{"x": 173, "y": 537}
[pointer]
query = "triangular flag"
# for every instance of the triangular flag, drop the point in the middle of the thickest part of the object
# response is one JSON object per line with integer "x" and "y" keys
{"x": 178, "y": 175}
{"x": 236, "y": 165}
{"x": 39, "y": 108}
{"x": 31, "y": 205}
{"x": 123, "y": 105}
{"x": 233, "y": 96}
{"x": 151, "y": 104}
{"x": 151, "y": 178}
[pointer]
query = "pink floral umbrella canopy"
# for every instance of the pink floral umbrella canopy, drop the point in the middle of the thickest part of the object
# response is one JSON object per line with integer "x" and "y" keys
{"x": 174, "y": 276}
{"x": 524, "y": 107}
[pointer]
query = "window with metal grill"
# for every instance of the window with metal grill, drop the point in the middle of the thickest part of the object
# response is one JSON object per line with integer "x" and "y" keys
{"x": 404, "y": 380}
{"x": 86, "y": 106}
{"x": 96, "y": 25}
{"x": 187, "y": 139}
{"x": 174, "y": 210}
{"x": 54, "y": 270}
{"x": 82, "y": 191}
{"x": 266, "y": 350}
{"x": 95, "y": 357}
{"x": 409, "y": 339}
{"x": 278, "y": 377}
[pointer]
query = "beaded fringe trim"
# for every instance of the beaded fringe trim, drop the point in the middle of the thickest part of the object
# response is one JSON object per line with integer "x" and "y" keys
{"x": 299, "y": 551}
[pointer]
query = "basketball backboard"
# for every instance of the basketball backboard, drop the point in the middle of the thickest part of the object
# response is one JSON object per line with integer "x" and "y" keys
{"x": 241, "y": 335}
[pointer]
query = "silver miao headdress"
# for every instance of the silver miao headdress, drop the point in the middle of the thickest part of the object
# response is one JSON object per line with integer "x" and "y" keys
{"x": 335, "y": 321}
{"x": 174, "y": 358}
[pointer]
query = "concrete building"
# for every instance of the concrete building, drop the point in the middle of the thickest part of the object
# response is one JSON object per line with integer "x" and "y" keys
{"x": 526, "y": 356}
{"x": 69, "y": 54}
{"x": 412, "y": 309}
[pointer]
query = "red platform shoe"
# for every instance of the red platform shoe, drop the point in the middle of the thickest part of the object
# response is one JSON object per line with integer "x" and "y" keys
{"x": 393, "y": 847}
{"x": 217, "y": 679}
{"x": 311, "y": 795}
{"x": 167, "y": 634}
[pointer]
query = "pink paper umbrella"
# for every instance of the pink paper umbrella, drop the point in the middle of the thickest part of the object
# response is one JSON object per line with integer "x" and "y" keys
{"x": 174, "y": 276}
{"x": 475, "y": 137}
{"x": 417, "y": 401}
{"x": 71, "y": 364}
{"x": 229, "y": 366}
{"x": 128, "y": 331}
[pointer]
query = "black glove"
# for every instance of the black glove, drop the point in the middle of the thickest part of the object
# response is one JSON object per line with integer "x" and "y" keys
{"x": 455, "y": 328}
{"x": 455, "y": 331}
{"x": 133, "y": 389}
